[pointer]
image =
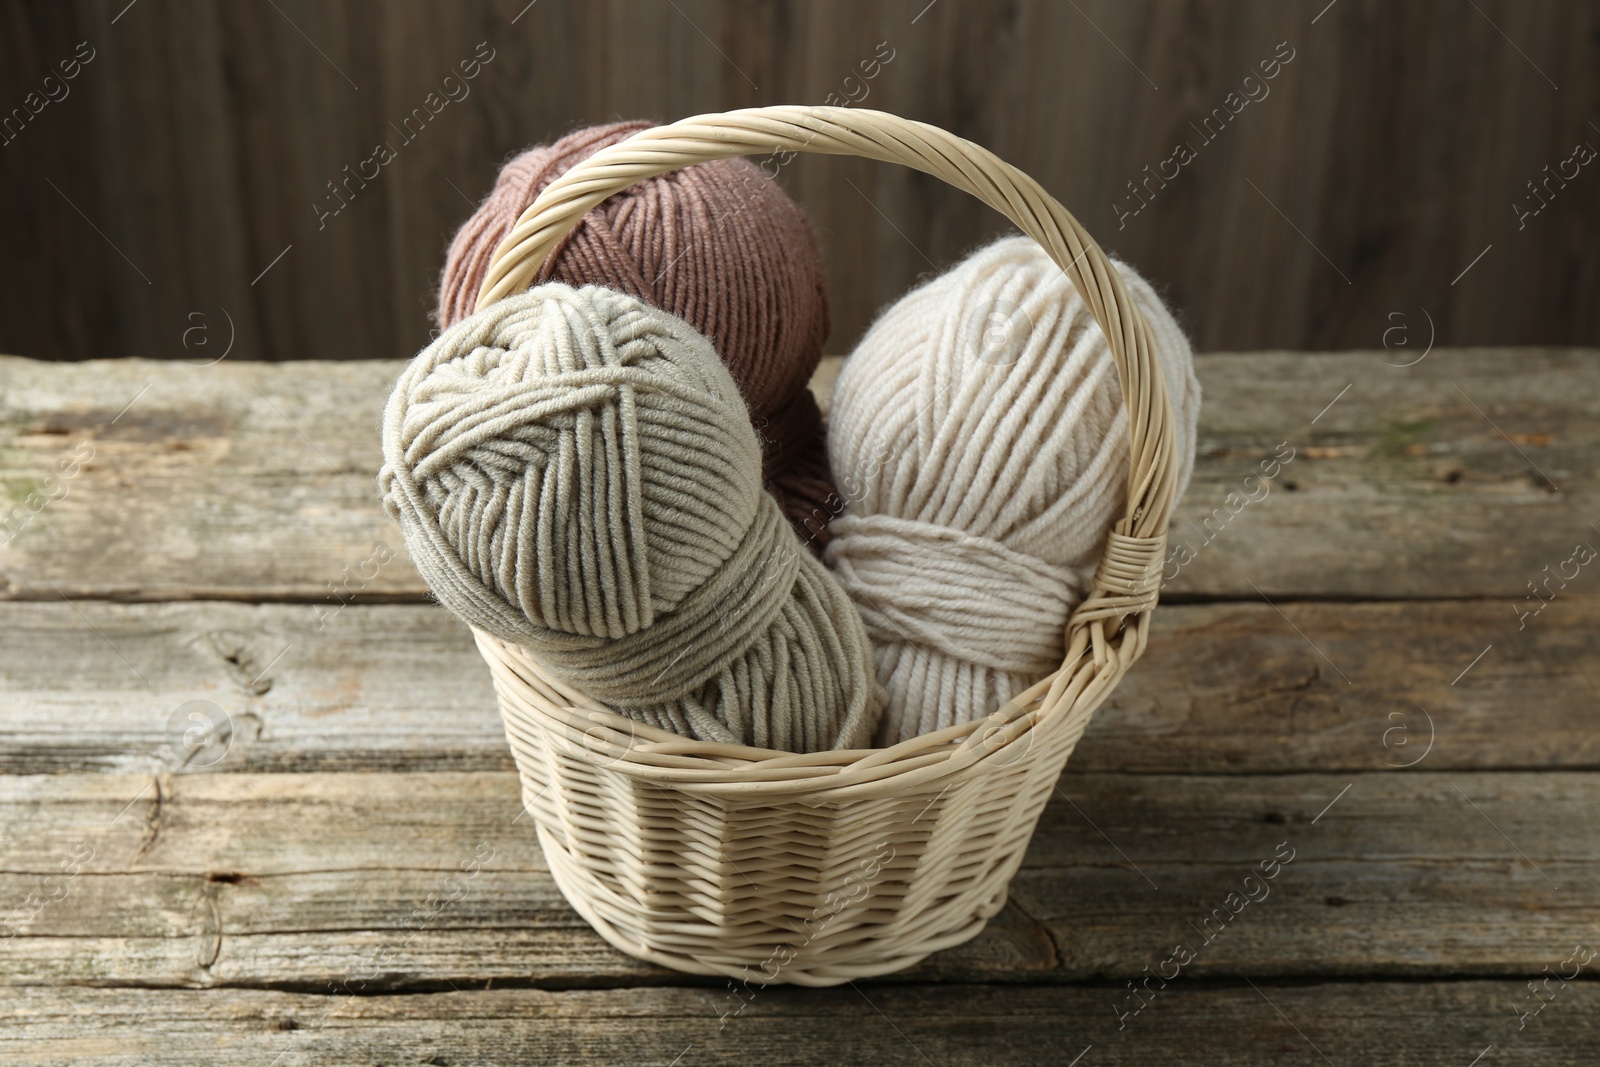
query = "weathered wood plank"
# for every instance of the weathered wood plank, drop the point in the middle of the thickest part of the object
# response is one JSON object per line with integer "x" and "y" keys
{"x": 1234, "y": 687}
{"x": 94, "y": 685}
{"x": 1382, "y": 1024}
{"x": 418, "y": 881}
{"x": 233, "y": 480}
{"x": 256, "y": 481}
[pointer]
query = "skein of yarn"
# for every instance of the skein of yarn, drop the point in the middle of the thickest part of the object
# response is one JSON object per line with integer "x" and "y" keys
{"x": 574, "y": 471}
{"x": 720, "y": 245}
{"x": 980, "y": 441}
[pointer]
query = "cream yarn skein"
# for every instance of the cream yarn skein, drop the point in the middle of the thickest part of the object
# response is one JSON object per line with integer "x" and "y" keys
{"x": 575, "y": 471}
{"x": 979, "y": 438}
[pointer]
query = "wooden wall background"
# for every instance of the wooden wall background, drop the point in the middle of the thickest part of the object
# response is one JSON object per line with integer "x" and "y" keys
{"x": 1390, "y": 150}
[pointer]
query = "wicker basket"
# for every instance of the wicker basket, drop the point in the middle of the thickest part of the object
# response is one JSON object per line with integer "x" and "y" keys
{"x": 816, "y": 869}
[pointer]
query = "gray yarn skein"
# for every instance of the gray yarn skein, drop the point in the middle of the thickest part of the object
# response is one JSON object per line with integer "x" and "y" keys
{"x": 575, "y": 471}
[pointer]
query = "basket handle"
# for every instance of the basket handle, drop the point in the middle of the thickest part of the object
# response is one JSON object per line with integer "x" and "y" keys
{"x": 1128, "y": 579}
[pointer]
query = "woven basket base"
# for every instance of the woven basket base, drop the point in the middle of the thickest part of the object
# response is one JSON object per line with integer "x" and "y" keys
{"x": 760, "y": 968}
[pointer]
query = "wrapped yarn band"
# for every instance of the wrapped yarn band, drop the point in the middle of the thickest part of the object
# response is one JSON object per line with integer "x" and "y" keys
{"x": 710, "y": 628}
{"x": 976, "y": 600}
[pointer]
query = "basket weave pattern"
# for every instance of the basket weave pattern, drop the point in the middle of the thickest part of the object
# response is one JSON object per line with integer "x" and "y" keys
{"x": 816, "y": 869}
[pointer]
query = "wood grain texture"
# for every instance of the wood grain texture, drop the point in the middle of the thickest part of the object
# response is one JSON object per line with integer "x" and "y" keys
{"x": 1223, "y": 689}
{"x": 203, "y": 138}
{"x": 257, "y": 481}
{"x": 1234, "y": 1025}
{"x": 343, "y": 883}
{"x": 418, "y": 881}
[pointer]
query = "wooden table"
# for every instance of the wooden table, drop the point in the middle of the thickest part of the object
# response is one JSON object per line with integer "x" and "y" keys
{"x": 1342, "y": 675}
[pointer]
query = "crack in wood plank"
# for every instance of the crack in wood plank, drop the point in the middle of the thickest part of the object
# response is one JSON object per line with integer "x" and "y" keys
{"x": 209, "y": 937}
{"x": 152, "y": 820}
